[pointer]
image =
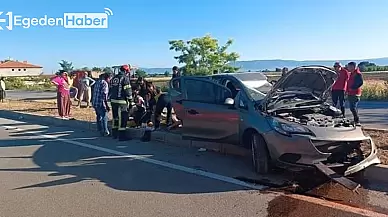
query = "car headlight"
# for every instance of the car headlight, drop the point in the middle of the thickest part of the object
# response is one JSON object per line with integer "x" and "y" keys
{"x": 288, "y": 128}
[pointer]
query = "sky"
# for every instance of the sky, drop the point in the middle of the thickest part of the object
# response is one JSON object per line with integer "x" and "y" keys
{"x": 139, "y": 31}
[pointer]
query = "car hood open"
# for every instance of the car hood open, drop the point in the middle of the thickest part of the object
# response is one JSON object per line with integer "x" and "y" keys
{"x": 315, "y": 79}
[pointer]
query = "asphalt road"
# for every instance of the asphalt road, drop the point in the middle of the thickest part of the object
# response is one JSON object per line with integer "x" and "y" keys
{"x": 372, "y": 114}
{"x": 30, "y": 95}
{"x": 54, "y": 171}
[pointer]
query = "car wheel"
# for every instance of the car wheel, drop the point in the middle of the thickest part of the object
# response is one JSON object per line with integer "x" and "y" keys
{"x": 260, "y": 155}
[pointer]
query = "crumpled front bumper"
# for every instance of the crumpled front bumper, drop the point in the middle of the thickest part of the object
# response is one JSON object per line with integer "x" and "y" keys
{"x": 305, "y": 151}
{"x": 372, "y": 159}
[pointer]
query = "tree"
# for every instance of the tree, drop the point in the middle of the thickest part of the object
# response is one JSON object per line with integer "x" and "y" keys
{"x": 66, "y": 66}
{"x": 97, "y": 69}
{"x": 166, "y": 74}
{"x": 203, "y": 56}
{"x": 107, "y": 70}
{"x": 85, "y": 69}
{"x": 140, "y": 73}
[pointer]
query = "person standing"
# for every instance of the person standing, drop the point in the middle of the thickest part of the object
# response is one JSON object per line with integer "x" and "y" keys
{"x": 70, "y": 80}
{"x": 100, "y": 103}
{"x": 354, "y": 85}
{"x": 121, "y": 102}
{"x": 142, "y": 87}
{"x": 175, "y": 72}
{"x": 284, "y": 71}
{"x": 162, "y": 100}
{"x": 63, "y": 95}
{"x": 339, "y": 87}
{"x": 86, "y": 90}
{"x": 2, "y": 89}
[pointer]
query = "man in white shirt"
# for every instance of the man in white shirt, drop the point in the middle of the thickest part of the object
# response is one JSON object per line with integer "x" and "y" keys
{"x": 2, "y": 89}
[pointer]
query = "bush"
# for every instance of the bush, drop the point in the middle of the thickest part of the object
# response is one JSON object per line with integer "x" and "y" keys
{"x": 33, "y": 83}
{"x": 13, "y": 83}
{"x": 375, "y": 90}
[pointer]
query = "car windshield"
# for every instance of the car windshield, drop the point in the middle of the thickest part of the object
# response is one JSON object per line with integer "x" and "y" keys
{"x": 255, "y": 93}
{"x": 250, "y": 76}
{"x": 257, "y": 89}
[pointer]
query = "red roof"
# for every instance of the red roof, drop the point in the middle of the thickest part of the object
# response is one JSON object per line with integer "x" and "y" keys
{"x": 16, "y": 64}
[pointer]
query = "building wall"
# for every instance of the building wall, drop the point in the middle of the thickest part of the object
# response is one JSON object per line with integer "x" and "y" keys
{"x": 21, "y": 72}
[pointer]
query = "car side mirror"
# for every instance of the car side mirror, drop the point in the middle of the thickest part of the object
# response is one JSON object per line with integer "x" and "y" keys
{"x": 273, "y": 82}
{"x": 229, "y": 101}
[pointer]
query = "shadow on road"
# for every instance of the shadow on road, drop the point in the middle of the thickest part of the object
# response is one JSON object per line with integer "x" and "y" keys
{"x": 34, "y": 110}
{"x": 120, "y": 173}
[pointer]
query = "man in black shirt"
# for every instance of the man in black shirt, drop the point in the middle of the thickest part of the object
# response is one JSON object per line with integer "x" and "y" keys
{"x": 175, "y": 72}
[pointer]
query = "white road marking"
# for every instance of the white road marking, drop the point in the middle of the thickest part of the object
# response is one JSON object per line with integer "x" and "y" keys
{"x": 159, "y": 163}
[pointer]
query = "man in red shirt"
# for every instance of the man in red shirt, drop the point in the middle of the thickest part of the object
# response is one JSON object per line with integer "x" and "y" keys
{"x": 339, "y": 87}
{"x": 355, "y": 83}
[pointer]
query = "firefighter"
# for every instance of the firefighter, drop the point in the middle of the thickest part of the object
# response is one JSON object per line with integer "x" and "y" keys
{"x": 121, "y": 102}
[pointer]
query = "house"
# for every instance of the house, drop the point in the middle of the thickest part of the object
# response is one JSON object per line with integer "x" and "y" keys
{"x": 11, "y": 68}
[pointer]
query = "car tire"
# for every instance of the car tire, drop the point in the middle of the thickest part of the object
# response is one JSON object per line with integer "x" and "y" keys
{"x": 260, "y": 155}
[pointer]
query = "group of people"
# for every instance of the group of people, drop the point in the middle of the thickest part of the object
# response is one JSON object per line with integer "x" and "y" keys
{"x": 348, "y": 83}
{"x": 65, "y": 84}
{"x": 142, "y": 101}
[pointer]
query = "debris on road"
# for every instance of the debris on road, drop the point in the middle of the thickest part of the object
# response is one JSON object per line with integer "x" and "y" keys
{"x": 337, "y": 178}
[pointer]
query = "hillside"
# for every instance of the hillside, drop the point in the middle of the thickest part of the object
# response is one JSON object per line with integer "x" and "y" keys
{"x": 271, "y": 65}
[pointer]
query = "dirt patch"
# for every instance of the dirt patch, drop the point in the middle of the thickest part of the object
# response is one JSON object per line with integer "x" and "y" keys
{"x": 381, "y": 141}
{"x": 290, "y": 207}
{"x": 47, "y": 108}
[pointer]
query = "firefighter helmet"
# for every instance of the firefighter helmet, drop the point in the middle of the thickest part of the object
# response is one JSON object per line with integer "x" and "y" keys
{"x": 125, "y": 68}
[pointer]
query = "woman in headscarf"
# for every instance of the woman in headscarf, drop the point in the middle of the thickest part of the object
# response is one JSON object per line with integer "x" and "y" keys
{"x": 63, "y": 94}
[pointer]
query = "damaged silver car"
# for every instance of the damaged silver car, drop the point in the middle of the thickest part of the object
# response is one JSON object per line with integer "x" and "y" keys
{"x": 288, "y": 125}
{"x": 309, "y": 131}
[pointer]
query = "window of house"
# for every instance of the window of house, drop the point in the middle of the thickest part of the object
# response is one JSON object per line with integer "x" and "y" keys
{"x": 13, "y": 69}
{"x": 19, "y": 70}
{"x": 24, "y": 69}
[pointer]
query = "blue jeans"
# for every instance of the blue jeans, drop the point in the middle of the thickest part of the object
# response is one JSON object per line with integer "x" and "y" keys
{"x": 353, "y": 106}
{"x": 102, "y": 119}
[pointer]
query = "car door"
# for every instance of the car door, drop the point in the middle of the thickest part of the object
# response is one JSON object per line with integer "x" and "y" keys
{"x": 175, "y": 92}
{"x": 206, "y": 116}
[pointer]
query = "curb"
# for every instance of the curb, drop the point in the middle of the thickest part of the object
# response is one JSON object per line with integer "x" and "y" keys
{"x": 41, "y": 119}
{"x": 166, "y": 138}
{"x": 375, "y": 129}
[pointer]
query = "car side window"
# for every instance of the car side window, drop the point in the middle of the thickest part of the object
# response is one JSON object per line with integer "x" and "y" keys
{"x": 201, "y": 91}
{"x": 217, "y": 80}
{"x": 222, "y": 94}
{"x": 175, "y": 87}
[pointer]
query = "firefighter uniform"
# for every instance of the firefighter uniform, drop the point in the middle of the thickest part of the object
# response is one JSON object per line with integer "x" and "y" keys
{"x": 121, "y": 102}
